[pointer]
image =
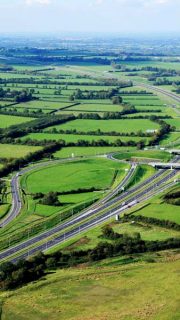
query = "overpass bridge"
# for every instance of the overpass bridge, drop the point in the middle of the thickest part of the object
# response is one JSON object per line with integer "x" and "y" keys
{"x": 174, "y": 151}
{"x": 168, "y": 165}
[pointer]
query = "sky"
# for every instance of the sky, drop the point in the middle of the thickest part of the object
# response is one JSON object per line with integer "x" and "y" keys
{"x": 113, "y": 16}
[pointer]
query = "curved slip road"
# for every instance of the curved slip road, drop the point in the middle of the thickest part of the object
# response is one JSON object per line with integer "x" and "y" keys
{"x": 17, "y": 202}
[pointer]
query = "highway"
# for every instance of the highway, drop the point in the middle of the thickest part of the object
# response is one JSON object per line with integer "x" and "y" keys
{"x": 104, "y": 211}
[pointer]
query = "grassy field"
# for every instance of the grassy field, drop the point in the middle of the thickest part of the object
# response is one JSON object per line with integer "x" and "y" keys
{"x": 174, "y": 122}
{"x": 16, "y": 151}
{"x": 7, "y": 121}
{"x": 171, "y": 138}
{"x": 96, "y": 108}
{"x": 75, "y": 137}
{"x": 74, "y": 175}
{"x": 91, "y": 238}
{"x": 87, "y": 151}
{"x": 42, "y": 104}
{"x": 138, "y": 291}
{"x": 149, "y": 154}
{"x": 159, "y": 209}
{"x": 108, "y": 125}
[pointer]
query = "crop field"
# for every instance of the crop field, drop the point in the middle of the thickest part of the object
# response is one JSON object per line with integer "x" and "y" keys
{"x": 16, "y": 151}
{"x": 7, "y": 121}
{"x": 125, "y": 125}
{"x": 74, "y": 175}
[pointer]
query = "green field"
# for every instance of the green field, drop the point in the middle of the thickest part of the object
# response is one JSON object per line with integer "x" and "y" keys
{"x": 171, "y": 139}
{"x": 7, "y": 121}
{"x": 87, "y": 151}
{"x": 75, "y": 137}
{"x": 42, "y": 104}
{"x": 159, "y": 209}
{"x": 108, "y": 125}
{"x": 174, "y": 122}
{"x": 73, "y": 175}
{"x": 140, "y": 290}
{"x": 149, "y": 154}
{"x": 16, "y": 151}
{"x": 96, "y": 108}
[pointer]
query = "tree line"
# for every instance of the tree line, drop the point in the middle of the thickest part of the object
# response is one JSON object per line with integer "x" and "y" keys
{"x": 24, "y": 271}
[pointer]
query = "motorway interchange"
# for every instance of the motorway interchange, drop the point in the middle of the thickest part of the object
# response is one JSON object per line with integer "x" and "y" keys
{"x": 116, "y": 202}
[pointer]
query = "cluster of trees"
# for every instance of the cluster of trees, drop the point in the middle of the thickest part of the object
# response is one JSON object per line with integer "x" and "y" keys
{"x": 84, "y": 143}
{"x": 24, "y": 271}
{"x": 33, "y": 126}
{"x": 98, "y": 132}
{"x": 3, "y": 189}
{"x": 40, "y": 195}
{"x": 150, "y": 220}
{"x": 165, "y": 128}
{"x": 28, "y": 113}
{"x": 50, "y": 199}
{"x": 173, "y": 197}
{"x": 164, "y": 81}
{"x": 18, "y": 96}
{"x": 92, "y": 94}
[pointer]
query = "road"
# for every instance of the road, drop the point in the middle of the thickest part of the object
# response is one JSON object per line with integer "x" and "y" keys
{"x": 16, "y": 191}
{"x": 158, "y": 89}
{"x": 92, "y": 216}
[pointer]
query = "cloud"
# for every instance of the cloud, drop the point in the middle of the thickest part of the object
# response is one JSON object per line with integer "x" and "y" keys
{"x": 41, "y": 2}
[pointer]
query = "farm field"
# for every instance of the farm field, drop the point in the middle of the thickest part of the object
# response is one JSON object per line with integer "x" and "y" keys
{"x": 158, "y": 208}
{"x": 87, "y": 151}
{"x": 42, "y": 104}
{"x": 16, "y": 151}
{"x": 66, "y": 102}
{"x": 171, "y": 139}
{"x": 175, "y": 123}
{"x": 96, "y": 108}
{"x": 75, "y": 137}
{"x": 149, "y": 154}
{"x": 109, "y": 125}
{"x": 7, "y": 121}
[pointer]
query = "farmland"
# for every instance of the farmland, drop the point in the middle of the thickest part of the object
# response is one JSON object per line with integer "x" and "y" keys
{"x": 81, "y": 122}
{"x": 109, "y": 125}
{"x": 15, "y": 151}
{"x": 7, "y": 121}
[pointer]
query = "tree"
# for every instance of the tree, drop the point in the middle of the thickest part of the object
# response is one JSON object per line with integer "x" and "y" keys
{"x": 51, "y": 199}
{"x": 117, "y": 100}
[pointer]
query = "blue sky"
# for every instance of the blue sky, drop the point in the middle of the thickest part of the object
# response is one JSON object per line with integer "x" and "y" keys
{"x": 122, "y": 16}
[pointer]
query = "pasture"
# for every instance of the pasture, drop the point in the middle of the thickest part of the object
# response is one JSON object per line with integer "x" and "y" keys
{"x": 149, "y": 154}
{"x": 125, "y": 126}
{"x": 87, "y": 151}
{"x": 16, "y": 151}
{"x": 7, "y": 121}
{"x": 76, "y": 137}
